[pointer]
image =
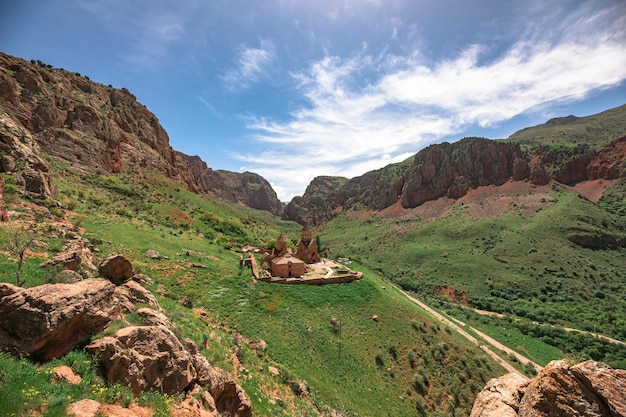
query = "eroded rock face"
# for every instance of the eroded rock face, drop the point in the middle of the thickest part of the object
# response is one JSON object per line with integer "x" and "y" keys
{"x": 246, "y": 188}
{"x": 48, "y": 321}
{"x": 51, "y": 112}
{"x": 116, "y": 268}
{"x": 131, "y": 293}
{"x": 152, "y": 358}
{"x": 589, "y": 389}
{"x": 501, "y": 396}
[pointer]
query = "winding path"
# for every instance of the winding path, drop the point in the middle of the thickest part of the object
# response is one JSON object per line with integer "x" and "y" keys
{"x": 485, "y": 348}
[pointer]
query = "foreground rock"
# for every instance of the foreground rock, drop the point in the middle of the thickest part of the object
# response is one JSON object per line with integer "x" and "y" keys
{"x": 131, "y": 293}
{"x": 151, "y": 358}
{"x": 588, "y": 389}
{"x": 48, "y": 321}
{"x": 116, "y": 268}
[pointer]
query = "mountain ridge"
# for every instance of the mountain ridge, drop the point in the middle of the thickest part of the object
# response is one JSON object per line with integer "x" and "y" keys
{"x": 452, "y": 169}
{"x": 95, "y": 128}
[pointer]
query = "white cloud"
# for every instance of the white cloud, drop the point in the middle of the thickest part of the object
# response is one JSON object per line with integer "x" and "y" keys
{"x": 410, "y": 103}
{"x": 149, "y": 28}
{"x": 252, "y": 65}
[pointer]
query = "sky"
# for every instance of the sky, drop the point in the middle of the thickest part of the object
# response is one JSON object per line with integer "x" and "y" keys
{"x": 293, "y": 89}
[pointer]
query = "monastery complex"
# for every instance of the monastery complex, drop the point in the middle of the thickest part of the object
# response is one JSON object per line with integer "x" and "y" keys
{"x": 305, "y": 266}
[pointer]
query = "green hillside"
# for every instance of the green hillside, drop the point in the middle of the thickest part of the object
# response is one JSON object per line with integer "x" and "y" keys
{"x": 405, "y": 363}
{"x": 517, "y": 263}
{"x": 596, "y": 130}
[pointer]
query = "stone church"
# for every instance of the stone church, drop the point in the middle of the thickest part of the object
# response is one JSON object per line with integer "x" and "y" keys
{"x": 283, "y": 263}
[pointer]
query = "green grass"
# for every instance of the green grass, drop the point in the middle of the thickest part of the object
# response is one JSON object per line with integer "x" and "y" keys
{"x": 512, "y": 263}
{"x": 28, "y": 389}
{"x": 596, "y": 130}
{"x": 410, "y": 363}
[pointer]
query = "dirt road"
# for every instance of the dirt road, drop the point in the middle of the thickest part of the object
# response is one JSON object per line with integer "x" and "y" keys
{"x": 462, "y": 332}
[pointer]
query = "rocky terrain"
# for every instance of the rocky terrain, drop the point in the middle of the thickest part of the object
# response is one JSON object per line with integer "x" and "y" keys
{"x": 587, "y": 389}
{"x": 246, "y": 188}
{"x": 451, "y": 170}
{"x": 52, "y": 113}
{"x": 48, "y": 321}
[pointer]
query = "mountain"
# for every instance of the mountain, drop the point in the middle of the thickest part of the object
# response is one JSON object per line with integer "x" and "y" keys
{"x": 88, "y": 181}
{"x": 52, "y": 113}
{"x": 245, "y": 188}
{"x": 595, "y": 151}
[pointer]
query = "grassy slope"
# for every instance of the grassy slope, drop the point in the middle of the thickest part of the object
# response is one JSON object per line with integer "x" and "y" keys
{"x": 402, "y": 364}
{"x": 512, "y": 263}
{"x": 596, "y": 130}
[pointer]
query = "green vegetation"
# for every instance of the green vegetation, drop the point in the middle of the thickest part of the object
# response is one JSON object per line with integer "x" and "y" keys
{"x": 514, "y": 263}
{"x": 28, "y": 389}
{"x": 596, "y": 130}
{"x": 411, "y": 364}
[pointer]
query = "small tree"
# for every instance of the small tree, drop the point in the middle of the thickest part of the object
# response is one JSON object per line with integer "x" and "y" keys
{"x": 18, "y": 240}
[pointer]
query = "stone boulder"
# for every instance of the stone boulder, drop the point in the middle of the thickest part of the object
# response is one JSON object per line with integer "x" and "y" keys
{"x": 152, "y": 358}
{"x": 149, "y": 317}
{"x": 76, "y": 255}
{"x": 50, "y": 320}
{"x": 74, "y": 260}
{"x": 589, "y": 389}
{"x": 116, "y": 268}
{"x": 145, "y": 358}
{"x": 501, "y": 396}
{"x": 84, "y": 408}
{"x": 130, "y": 293}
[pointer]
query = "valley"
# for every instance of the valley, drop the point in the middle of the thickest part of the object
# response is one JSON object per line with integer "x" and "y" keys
{"x": 475, "y": 258}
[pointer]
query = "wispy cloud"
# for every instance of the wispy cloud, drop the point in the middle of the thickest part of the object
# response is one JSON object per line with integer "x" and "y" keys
{"x": 408, "y": 103}
{"x": 252, "y": 65}
{"x": 149, "y": 28}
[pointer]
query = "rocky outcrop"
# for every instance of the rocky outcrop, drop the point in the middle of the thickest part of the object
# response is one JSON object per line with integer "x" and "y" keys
{"x": 610, "y": 162}
{"x": 116, "y": 268}
{"x": 82, "y": 124}
{"x": 596, "y": 239}
{"x": 501, "y": 396}
{"x": 130, "y": 293}
{"x": 93, "y": 128}
{"x": 245, "y": 188}
{"x": 443, "y": 170}
{"x": 152, "y": 358}
{"x": 588, "y": 389}
{"x": 452, "y": 169}
{"x": 150, "y": 317}
{"x": 76, "y": 256}
{"x": 319, "y": 201}
{"x": 48, "y": 321}
{"x": 18, "y": 144}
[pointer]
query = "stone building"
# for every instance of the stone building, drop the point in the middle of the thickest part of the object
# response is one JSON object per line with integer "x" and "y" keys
{"x": 283, "y": 263}
{"x": 307, "y": 249}
{"x": 288, "y": 266}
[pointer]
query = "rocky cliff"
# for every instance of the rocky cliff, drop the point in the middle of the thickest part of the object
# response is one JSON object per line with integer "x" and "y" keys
{"x": 245, "y": 188}
{"x": 319, "y": 201}
{"x": 587, "y": 389}
{"x": 49, "y": 113}
{"x": 447, "y": 169}
{"x": 452, "y": 169}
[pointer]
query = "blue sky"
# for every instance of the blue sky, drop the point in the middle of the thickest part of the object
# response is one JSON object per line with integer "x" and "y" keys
{"x": 292, "y": 89}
